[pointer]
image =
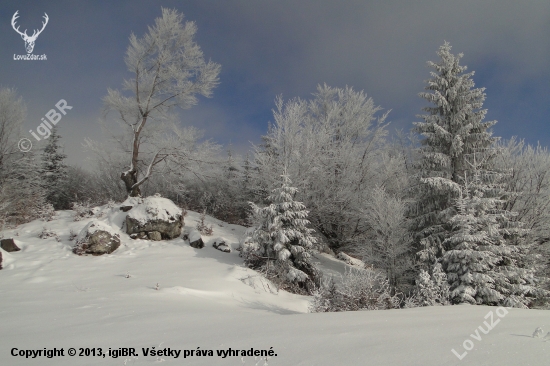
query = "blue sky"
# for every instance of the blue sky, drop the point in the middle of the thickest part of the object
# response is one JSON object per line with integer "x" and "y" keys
{"x": 287, "y": 47}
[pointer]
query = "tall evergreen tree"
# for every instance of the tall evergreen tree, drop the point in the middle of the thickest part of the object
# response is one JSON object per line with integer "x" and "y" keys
{"x": 54, "y": 172}
{"x": 453, "y": 130}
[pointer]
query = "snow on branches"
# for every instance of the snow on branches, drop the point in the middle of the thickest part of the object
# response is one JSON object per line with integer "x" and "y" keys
{"x": 281, "y": 241}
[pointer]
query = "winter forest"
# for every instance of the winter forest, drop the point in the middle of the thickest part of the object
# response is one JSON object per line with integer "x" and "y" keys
{"x": 442, "y": 214}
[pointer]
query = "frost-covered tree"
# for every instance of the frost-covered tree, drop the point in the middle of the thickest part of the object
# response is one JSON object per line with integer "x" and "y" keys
{"x": 485, "y": 255}
{"x": 281, "y": 242}
{"x": 453, "y": 129}
{"x": 248, "y": 176}
{"x": 12, "y": 116}
{"x": 332, "y": 146}
{"x": 22, "y": 191}
{"x": 431, "y": 290}
{"x": 169, "y": 70}
{"x": 54, "y": 172}
{"x": 387, "y": 243}
{"x": 527, "y": 180}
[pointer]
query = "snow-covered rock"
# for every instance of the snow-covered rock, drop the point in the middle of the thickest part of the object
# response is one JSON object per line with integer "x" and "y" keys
{"x": 97, "y": 238}
{"x": 195, "y": 239}
{"x": 221, "y": 245}
{"x": 153, "y": 214}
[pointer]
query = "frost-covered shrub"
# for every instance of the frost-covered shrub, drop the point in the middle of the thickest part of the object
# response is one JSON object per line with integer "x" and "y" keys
{"x": 72, "y": 235}
{"x": 249, "y": 249}
{"x": 360, "y": 289}
{"x": 203, "y": 228}
{"x": 47, "y": 233}
{"x": 46, "y": 212}
{"x": 82, "y": 211}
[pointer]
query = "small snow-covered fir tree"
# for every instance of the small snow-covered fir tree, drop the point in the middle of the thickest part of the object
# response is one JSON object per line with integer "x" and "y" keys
{"x": 425, "y": 289}
{"x": 54, "y": 172}
{"x": 453, "y": 129}
{"x": 485, "y": 254}
{"x": 281, "y": 242}
{"x": 431, "y": 290}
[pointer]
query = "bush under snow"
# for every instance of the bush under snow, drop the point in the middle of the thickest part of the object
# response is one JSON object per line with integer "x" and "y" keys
{"x": 360, "y": 289}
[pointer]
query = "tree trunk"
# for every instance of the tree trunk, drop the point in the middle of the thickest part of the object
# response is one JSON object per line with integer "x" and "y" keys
{"x": 130, "y": 179}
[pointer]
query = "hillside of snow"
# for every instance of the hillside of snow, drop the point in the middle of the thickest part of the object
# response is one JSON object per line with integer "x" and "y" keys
{"x": 168, "y": 296}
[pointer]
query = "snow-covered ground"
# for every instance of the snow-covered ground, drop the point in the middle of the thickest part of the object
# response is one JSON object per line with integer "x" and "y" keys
{"x": 52, "y": 298}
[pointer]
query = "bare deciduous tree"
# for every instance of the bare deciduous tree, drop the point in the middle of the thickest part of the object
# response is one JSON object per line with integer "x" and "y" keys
{"x": 169, "y": 71}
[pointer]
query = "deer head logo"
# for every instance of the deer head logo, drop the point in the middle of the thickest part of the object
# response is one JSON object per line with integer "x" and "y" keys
{"x": 29, "y": 41}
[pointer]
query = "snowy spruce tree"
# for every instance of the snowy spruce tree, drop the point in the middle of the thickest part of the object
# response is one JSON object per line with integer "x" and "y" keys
{"x": 54, "y": 173}
{"x": 431, "y": 290}
{"x": 453, "y": 129}
{"x": 281, "y": 242}
{"x": 485, "y": 255}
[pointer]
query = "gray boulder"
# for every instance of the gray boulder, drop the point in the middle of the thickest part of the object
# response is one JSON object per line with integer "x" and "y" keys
{"x": 9, "y": 245}
{"x": 154, "y": 235}
{"x": 155, "y": 214}
{"x": 97, "y": 238}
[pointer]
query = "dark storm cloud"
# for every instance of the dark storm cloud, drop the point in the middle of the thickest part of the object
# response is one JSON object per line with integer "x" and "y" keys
{"x": 272, "y": 47}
